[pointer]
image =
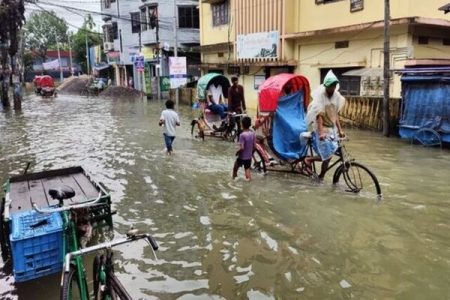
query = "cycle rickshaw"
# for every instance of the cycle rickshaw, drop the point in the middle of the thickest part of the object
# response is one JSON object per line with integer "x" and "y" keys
{"x": 283, "y": 139}
{"x": 211, "y": 123}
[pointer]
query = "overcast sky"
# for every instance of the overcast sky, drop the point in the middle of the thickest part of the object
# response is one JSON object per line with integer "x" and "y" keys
{"x": 74, "y": 19}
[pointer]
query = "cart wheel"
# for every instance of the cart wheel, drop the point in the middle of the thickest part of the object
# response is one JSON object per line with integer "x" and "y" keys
{"x": 3, "y": 234}
{"x": 427, "y": 137}
{"x": 358, "y": 179}
{"x": 70, "y": 286}
{"x": 258, "y": 164}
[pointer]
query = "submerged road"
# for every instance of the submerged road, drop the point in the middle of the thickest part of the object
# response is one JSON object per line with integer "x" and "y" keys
{"x": 278, "y": 237}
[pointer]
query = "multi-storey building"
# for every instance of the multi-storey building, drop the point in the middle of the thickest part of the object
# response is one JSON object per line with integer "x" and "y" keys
{"x": 261, "y": 38}
{"x": 146, "y": 28}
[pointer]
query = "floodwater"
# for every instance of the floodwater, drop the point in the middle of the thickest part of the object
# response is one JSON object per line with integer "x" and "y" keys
{"x": 278, "y": 237}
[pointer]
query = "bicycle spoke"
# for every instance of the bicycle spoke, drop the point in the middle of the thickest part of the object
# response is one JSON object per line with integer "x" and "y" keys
{"x": 358, "y": 179}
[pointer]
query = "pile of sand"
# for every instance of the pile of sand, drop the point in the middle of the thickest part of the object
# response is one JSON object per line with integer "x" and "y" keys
{"x": 75, "y": 85}
{"x": 120, "y": 92}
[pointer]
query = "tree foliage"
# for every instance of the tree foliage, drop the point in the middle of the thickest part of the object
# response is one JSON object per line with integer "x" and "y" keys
{"x": 79, "y": 40}
{"x": 11, "y": 20}
{"x": 43, "y": 30}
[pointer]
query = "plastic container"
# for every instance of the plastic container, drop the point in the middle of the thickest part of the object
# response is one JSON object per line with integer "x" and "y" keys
{"x": 36, "y": 244}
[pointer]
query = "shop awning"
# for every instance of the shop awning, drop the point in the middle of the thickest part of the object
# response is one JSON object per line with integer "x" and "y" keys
{"x": 365, "y": 72}
{"x": 100, "y": 67}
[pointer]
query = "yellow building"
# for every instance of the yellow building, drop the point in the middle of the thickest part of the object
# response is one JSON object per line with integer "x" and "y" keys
{"x": 260, "y": 38}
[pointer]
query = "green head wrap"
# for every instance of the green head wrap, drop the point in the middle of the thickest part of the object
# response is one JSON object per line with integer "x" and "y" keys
{"x": 330, "y": 79}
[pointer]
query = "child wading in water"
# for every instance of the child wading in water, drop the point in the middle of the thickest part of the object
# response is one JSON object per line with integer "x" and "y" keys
{"x": 169, "y": 118}
{"x": 247, "y": 141}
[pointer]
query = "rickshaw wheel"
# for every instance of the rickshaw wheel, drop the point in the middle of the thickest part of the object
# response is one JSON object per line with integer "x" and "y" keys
{"x": 258, "y": 164}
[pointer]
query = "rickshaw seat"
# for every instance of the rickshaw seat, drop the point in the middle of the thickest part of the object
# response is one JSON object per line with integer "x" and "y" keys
{"x": 61, "y": 193}
{"x": 306, "y": 135}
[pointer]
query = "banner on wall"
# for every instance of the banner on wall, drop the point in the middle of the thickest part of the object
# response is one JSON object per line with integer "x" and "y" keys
{"x": 258, "y": 45}
{"x": 51, "y": 65}
{"x": 177, "y": 72}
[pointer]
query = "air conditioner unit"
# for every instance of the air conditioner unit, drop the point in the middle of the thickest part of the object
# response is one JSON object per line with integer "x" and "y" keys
{"x": 108, "y": 46}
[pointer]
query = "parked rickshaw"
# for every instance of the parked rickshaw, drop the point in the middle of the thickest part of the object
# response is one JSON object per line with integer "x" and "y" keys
{"x": 283, "y": 139}
{"x": 214, "y": 86}
{"x": 47, "y": 214}
{"x": 44, "y": 85}
{"x": 425, "y": 113}
{"x": 37, "y": 84}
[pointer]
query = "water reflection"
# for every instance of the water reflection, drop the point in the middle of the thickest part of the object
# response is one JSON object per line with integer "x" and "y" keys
{"x": 278, "y": 237}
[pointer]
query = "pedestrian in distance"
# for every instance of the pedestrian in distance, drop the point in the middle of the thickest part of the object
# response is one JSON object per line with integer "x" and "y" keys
{"x": 236, "y": 99}
{"x": 170, "y": 120}
{"x": 247, "y": 143}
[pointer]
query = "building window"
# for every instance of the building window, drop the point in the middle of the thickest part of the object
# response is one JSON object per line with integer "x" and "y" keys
{"x": 135, "y": 22}
{"x": 350, "y": 85}
{"x": 153, "y": 16}
{"x": 188, "y": 17}
{"x": 341, "y": 44}
{"x": 106, "y": 3}
{"x": 220, "y": 13}
{"x": 143, "y": 19}
{"x": 115, "y": 31}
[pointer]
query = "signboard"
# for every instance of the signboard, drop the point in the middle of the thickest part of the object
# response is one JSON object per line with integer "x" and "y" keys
{"x": 148, "y": 53}
{"x": 113, "y": 57}
{"x": 164, "y": 83}
{"x": 258, "y": 45}
{"x": 148, "y": 80}
{"x": 51, "y": 65}
{"x": 139, "y": 63}
{"x": 259, "y": 79}
{"x": 356, "y": 5}
{"x": 177, "y": 72}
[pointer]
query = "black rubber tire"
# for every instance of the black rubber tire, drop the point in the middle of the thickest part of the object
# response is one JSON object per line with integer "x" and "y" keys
{"x": 258, "y": 164}
{"x": 69, "y": 281}
{"x": 96, "y": 267}
{"x": 352, "y": 174}
{"x": 4, "y": 247}
{"x": 427, "y": 137}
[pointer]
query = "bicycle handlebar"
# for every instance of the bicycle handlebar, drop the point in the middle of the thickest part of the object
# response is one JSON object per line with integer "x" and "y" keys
{"x": 109, "y": 245}
{"x": 89, "y": 203}
{"x": 233, "y": 114}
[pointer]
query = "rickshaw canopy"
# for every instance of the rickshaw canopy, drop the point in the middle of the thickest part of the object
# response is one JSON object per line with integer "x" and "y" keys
{"x": 46, "y": 81}
{"x": 206, "y": 80}
{"x": 272, "y": 89}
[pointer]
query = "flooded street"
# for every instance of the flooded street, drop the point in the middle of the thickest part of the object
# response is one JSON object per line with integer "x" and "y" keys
{"x": 279, "y": 237}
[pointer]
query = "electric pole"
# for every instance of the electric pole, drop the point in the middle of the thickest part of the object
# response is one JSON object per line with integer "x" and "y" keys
{"x": 386, "y": 69}
{"x": 175, "y": 45}
{"x": 61, "y": 77}
{"x": 87, "y": 52}
{"x": 158, "y": 52}
{"x": 70, "y": 55}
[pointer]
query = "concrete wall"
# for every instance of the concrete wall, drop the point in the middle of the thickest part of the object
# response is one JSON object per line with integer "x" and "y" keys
{"x": 337, "y": 14}
{"x": 210, "y": 34}
{"x": 365, "y": 50}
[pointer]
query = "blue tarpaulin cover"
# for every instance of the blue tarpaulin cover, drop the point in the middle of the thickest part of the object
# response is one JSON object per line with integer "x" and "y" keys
{"x": 426, "y": 105}
{"x": 288, "y": 123}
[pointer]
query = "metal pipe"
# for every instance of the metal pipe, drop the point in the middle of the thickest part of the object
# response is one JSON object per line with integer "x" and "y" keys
{"x": 175, "y": 46}
{"x": 70, "y": 56}
{"x": 106, "y": 245}
{"x": 89, "y": 203}
{"x": 61, "y": 77}
{"x": 87, "y": 53}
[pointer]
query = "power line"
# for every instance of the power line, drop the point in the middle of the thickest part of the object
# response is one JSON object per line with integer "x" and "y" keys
{"x": 77, "y": 27}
